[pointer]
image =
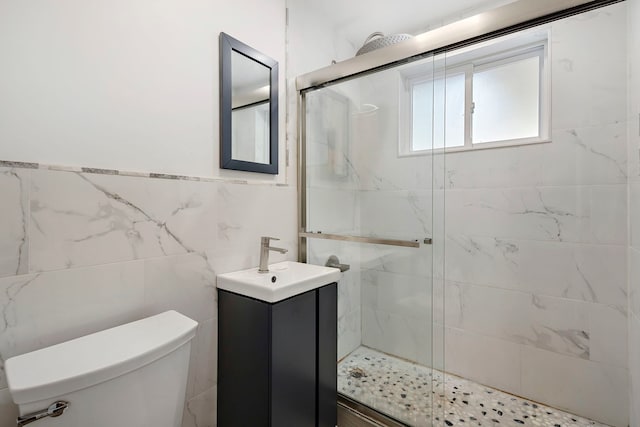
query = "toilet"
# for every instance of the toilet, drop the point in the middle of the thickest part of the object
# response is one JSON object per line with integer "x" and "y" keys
{"x": 134, "y": 375}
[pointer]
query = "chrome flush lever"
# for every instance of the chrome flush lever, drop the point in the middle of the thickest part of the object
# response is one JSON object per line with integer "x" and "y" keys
{"x": 54, "y": 410}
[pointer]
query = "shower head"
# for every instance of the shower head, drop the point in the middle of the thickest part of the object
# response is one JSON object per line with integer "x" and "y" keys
{"x": 378, "y": 40}
{"x": 366, "y": 110}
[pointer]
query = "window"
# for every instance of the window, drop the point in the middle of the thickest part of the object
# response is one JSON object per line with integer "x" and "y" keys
{"x": 425, "y": 116}
{"x": 494, "y": 95}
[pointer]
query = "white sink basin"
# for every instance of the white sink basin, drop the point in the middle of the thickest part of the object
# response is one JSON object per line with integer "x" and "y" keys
{"x": 284, "y": 280}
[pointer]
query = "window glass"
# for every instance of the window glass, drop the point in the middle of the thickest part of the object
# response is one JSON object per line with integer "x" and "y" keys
{"x": 496, "y": 95}
{"x": 506, "y": 101}
{"x": 422, "y": 116}
{"x": 454, "y": 119}
{"x": 424, "y": 97}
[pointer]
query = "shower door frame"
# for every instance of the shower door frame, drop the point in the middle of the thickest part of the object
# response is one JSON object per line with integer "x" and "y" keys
{"x": 508, "y": 19}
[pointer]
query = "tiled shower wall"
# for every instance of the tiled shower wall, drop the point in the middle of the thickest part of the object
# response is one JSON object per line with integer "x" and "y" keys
{"x": 633, "y": 7}
{"x": 536, "y": 236}
{"x": 354, "y": 189}
{"x": 395, "y": 202}
{"x": 536, "y": 266}
{"x": 333, "y": 207}
{"x": 83, "y": 252}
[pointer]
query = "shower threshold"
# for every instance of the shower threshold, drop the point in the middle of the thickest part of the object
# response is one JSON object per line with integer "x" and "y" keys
{"x": 402, "y": 391}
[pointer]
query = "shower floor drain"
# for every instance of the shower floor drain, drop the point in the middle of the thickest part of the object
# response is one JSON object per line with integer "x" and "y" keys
{"x": 357, "y": 373}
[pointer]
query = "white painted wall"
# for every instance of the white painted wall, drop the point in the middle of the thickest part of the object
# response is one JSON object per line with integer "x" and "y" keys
{"x": 125, "y": 85}
{"x": 131, "y": 86}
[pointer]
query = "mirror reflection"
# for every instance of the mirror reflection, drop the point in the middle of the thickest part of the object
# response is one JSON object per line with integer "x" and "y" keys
{"x": 250, "y": 109}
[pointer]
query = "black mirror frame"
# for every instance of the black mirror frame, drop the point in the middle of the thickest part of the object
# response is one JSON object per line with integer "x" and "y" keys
{"x": 228, "y": 45}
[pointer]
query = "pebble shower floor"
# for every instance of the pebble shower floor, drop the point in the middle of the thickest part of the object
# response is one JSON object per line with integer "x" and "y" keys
{"x": 402, "y": 390}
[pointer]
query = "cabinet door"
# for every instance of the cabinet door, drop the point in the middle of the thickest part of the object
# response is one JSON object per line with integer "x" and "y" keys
{"x": 243, "y": 361}
{"x": 327, "y": 355}
{"x": 293, "y": 377}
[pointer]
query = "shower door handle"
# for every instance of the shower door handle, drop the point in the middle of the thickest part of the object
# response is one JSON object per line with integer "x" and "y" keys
{"x": 364, "y": 239}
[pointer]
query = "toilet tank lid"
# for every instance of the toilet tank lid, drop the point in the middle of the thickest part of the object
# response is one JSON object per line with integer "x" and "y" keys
{"x": 92, "y": 359}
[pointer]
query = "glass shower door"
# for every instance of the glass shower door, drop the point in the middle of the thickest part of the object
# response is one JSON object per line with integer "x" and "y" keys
{"x": 369, "y": 202}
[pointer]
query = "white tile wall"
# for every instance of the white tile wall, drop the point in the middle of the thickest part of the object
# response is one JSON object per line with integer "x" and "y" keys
{"x": 634, "y": 211}
{"x": 14, "y": 219}
{"x": 404, "y": 214}
{"x": 535, "y": 237}
{"x": 633, "y": 130}
{"x": 8, "y": 410}
{"x": 201, "y": 410}
{"x": 349, "y": 290}
{"x": 589, "y": 59}
{"x": 585, "y": 272}
{"x": 593, "y": 155}
{"x": 495, "y": 362}
{"x": 106, "y": 250}
{"x": 634, "y": 368}
{"x": 608, "y": 335}
{"x": 584, "y": 214}
{"x": 594, "y": 390}
{"x": 401, "y": 335}
{"x": 77, "y": 220}
{"x": 47, "y": 308}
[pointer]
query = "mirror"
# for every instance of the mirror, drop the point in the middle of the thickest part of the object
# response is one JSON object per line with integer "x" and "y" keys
{"x": 248, "y": 108}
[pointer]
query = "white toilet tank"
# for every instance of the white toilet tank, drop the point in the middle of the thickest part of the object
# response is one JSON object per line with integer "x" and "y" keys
{"x": 134, "y": 375}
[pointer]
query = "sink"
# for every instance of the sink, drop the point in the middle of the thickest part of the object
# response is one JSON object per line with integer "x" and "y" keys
{"x": 284, "y": 280}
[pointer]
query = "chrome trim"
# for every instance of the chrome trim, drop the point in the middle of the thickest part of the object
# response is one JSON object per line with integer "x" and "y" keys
{"x": 265, "y": 248}
{"x": 362, "y": 239}
{"x": 54, "y": 410}
{"x": 302, "y": 176}
{"x": 369, "y": 416}
{"x": 496, "y": 22}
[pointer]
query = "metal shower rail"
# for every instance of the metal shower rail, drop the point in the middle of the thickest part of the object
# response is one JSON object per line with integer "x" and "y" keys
{"x": 364, "y": 239}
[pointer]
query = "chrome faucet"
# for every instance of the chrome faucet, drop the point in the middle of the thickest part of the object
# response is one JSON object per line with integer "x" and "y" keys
{"x": 264, "y": 253}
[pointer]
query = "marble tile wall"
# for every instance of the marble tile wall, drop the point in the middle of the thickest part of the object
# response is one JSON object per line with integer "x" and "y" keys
{"x": 349, "y": 290}
{"x": 633, "y": 49}
{"x": 530, "y": 279}
{"x": 82, "y": 252}
{"x": 390, "y": 296}
{"x": 536, "y": 239}
{"x": 396, "y": 201}
{"x": 333, "y": 202}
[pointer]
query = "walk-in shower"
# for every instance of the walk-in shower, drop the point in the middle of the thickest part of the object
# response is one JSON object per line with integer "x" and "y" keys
{"x": 476, "y": 186}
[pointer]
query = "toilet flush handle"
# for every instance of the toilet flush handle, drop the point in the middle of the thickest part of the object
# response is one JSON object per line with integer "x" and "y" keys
{"x": 54, "y": 410}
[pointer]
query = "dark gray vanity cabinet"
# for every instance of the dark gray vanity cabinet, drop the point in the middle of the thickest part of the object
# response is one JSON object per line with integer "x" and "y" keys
{"x": 277, "y": 361}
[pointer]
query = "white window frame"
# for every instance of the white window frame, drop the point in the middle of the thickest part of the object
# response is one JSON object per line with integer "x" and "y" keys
{"x": 467, "y": 61}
